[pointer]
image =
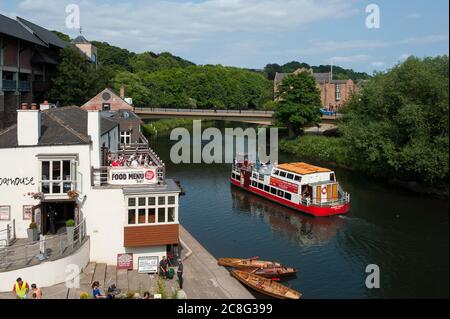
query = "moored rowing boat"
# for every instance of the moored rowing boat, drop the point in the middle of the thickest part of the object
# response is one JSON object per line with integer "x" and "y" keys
{"x": 275, "y": 272}
{"x": 250, "y": 262}
{"x": 265, "y": 286}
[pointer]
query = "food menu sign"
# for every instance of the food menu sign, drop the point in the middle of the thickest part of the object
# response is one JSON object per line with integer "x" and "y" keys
{"x": 131, "y": 176}
{"x": 290, "y": 187}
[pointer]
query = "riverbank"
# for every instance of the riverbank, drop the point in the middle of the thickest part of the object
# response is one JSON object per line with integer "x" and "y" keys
{"x": 331, "y": 150}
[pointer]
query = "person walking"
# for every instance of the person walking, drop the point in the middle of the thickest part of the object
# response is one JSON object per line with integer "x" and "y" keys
{"x": 180, "y": 273}
{"x": 20, "y": 289}
{"x": 37, "y": 292}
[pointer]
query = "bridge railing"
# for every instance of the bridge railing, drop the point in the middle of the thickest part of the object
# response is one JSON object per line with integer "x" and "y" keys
{"x": 205, "y": 111}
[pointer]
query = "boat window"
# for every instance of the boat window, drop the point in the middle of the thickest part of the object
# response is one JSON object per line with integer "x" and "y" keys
{"x": 261, "y": 178}
{"x": 267, "y": 188}
{"x": 283, "y": 174}
{"x": 260, "y": 186}
{"x": 297, "y": 178}
{"x": 273, "y": 190}
{"x": 277, "y": 172}
{"x": 290, "y": 176}
{"x": 280, "y": 193}
{"x": 254, "y": 175}
{"x": 254, "y": 184}
{"x": 288, "y": 196}
{"x": 332, "y": 177}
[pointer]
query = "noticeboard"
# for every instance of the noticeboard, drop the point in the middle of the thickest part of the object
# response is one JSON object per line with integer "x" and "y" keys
{"x": 148, "y": 265}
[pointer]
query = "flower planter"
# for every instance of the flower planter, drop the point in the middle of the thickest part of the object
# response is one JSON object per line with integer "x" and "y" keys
{"x": 32, "y": 234}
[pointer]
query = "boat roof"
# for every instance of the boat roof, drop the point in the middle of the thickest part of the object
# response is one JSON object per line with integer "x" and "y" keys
{"x": 302, "y": 168}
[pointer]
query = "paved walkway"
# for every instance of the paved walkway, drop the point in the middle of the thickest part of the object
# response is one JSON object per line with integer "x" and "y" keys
{"x": 204, "y": 279}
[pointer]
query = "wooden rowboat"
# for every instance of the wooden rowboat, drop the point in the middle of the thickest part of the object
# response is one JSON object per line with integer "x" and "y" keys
{"x": 251, "y": 262}
{"x": 275, "y": 272}
{"x": 265, "y": 286}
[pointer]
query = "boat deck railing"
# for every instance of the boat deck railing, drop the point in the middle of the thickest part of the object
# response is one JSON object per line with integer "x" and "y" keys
{"x": 344, "y": 199}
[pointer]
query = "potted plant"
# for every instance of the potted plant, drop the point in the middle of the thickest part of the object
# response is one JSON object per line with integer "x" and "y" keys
{"x": 72, "y": 194}
{"x": 32, "y": 232}
{"x": 70, "y": 230}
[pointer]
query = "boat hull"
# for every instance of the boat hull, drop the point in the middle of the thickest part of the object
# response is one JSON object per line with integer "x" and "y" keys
{"x": 270, "y": 272}
{"x": 287, "y": 294}
{"x": 311, "y": 210}
{"x": 246, "y": 263}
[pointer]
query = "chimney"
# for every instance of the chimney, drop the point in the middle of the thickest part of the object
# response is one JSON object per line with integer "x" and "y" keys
{"x": 122, "y": 92}
{"x": 28, "y": 126}
{"x": 93, "y": 130}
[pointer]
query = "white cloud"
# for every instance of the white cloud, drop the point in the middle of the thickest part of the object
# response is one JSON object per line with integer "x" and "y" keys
{"x": 403, "y": 57}
{"x": 316, "y": 47}
{"x": 429, "y": 39}
{"x": 166, "y": 25}
{"x": 378, "y": 64}
{"x": 358, "y": 58}
{"x": 414, "y": 15}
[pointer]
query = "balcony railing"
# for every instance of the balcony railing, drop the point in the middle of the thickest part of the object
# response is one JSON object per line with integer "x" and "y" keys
{"x": 25, "y": 86}
{"x": 9, "y": 85}
{"x": 20, "y": 255}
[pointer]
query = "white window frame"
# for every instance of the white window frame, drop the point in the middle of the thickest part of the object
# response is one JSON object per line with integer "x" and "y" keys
{"x": 338, "y": 92}
{"x": 61, "y": 181}
{"x": 156, "y": 207}
{"x": 126, "y": 136}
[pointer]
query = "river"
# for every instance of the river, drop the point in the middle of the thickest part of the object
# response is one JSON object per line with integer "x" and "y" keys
{"x": 404, "y": 233}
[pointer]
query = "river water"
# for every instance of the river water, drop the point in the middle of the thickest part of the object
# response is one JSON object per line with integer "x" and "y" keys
{"x": 405, "y": 234}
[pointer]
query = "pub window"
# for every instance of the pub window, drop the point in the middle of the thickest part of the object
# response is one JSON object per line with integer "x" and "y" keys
{"x": 131, "y": 216}
{"x": 161, "y": 215}
{"x": 141, "y": 216}
{"x": 280, "y": 193}
{"x": 141, "y": 201}
{"x": 161, "y": 200}
{"x": 288, "y": 196}
{"x": 151, "y": 216}
{"x": 57, "y": 177}
{"x": 171, "y": 200}
{"x": 273, "y": 190}
{"x": 131, "y": 201}
{"x": 171, "y": 214}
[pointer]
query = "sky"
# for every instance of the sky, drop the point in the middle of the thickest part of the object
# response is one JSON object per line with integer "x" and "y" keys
{"x": 253, "y": 33}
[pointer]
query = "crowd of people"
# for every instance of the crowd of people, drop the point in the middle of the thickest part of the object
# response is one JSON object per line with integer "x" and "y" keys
{"x": 125, "y": 160}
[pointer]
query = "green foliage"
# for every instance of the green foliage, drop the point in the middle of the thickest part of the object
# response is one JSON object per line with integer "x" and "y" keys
{"x": 175, "y": 293}
{"x": 33, "y": 226}
{"x": 115, "y": 57}
{"x": 197, "y": 87}
{"x": 398, "y": 126}
{"x": 299, "y": 102}
{"x": 161, "y": 288}
{"x": 70, "y": 223}
{"x": 77, "y": 79}
{"x": 329, "y": 149}
{"x": 339, "y": 73}
{"x": 151, "y": 62}
{"x": 62, "y": 36}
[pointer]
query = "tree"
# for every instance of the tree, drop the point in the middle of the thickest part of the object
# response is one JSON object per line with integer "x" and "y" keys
{"x": 77, "y": 79}
{"x": 398, "y": 125}
{"x": 298, "y": 102}
{"x": 133, "y": 87}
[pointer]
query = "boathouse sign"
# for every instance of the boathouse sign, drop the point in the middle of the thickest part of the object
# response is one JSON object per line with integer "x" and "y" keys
{"x": 131, "y": 176}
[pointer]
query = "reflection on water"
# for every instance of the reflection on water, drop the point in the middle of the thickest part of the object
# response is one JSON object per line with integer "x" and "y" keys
{"x": 289, "y": 225}
{"x": 405, "y": 234}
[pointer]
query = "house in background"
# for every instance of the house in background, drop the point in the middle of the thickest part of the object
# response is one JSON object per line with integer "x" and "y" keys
{"x": 29, "y": 55}
{"x": 333, "y": 93}
{"x": 87, "y": 48}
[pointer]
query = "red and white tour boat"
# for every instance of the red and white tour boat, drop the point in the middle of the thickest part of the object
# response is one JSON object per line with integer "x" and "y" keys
{"x": 307, "y": 188}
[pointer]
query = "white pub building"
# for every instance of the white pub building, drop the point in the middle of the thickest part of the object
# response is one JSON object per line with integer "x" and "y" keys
{"x": 68, "y": 164}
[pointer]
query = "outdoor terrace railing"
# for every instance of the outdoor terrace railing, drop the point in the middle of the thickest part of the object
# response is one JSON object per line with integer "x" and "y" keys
{"x": 48, "y": 248}
{"x": 9, "y": 85}
{"x": 8, "y": 235}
